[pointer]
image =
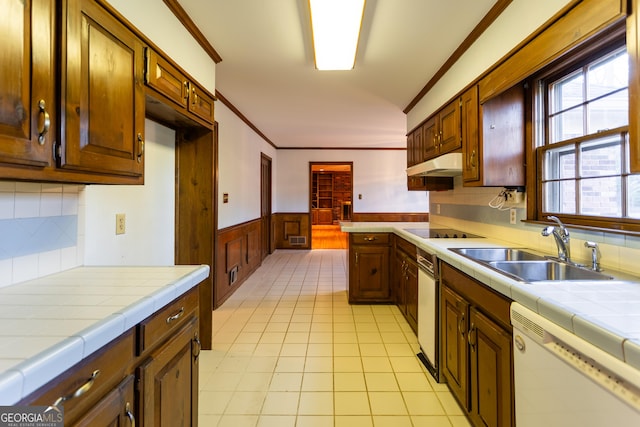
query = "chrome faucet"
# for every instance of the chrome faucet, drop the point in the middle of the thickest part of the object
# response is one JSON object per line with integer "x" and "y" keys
{"x": 595, "y": 255}
{"x": 561, "y": 234}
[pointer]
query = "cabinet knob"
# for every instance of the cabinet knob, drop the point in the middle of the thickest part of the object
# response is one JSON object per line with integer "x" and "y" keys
{"x": 80, "y": 390}
{"x": 473, "y": 159}
{"x": 186, "y": 90}
{"x": 471, "y": 337}
{"x": 140, "y": 147}
{"x": 196, "y": 347}
{"x": 194, "y": 96}
{"x": 369, "y": 239}
{"x": 461, "y": 325}
{"x": 176, "y": 316}
{"x": 129, "y": 414}
{"x": 44, "y": 123}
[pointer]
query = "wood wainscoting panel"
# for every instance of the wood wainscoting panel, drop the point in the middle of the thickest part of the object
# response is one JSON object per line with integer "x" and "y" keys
{"x": 238, "y": 257}
{"x": 389, "y": 217}
{"x": 292, "y": 230}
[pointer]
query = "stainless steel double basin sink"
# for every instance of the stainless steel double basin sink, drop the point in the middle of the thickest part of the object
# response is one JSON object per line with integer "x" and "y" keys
{"x": 528, "y": 267}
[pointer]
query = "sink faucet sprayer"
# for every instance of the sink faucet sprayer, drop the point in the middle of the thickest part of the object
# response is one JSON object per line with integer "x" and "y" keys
{"x": 561, "y": 234}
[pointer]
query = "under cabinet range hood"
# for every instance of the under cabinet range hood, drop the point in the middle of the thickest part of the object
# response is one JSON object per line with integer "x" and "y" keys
{"x": 445, "y": 165}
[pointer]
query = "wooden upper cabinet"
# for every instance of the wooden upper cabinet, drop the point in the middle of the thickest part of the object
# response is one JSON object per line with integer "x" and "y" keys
{"x": 161, "y": 75}
{"x": 470, "y": 139}
{"x": 430, "y": 132}
{"x": 499, "y": 161}
{"x": 102, "y": 93}
{"x": 171, "y": 83}
{"x": 27, "y": 82}
{"x": 441, "y": 132}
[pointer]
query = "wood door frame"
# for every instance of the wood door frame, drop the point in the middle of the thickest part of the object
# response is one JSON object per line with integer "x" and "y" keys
{"x": 266, "y": 233}
{"x": 328, "y": 164}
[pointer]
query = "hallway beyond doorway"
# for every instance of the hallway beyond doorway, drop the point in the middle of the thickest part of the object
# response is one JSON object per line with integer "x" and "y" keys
{"x": 328, "y": 237}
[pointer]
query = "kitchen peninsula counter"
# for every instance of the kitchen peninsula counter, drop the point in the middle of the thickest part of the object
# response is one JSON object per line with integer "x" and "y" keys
{"x": 51, "y": 323}
{"x": 605, "y": 313}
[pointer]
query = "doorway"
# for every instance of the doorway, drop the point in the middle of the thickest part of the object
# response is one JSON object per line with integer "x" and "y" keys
{"x": 330, "y": 202}
{"x": 265, "y": 205}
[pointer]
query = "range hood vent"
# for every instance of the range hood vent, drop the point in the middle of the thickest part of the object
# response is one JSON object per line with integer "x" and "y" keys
{"x": 445, "y": 165}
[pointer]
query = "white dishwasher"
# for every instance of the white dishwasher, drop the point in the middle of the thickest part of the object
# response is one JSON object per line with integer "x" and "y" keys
{"x": 562, "y": 380}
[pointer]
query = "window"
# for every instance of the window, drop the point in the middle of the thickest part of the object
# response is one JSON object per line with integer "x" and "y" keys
{"x": 582, "y": 117}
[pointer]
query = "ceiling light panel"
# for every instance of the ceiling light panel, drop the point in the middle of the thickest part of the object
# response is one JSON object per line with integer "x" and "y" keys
{"x": 336, "y": 28}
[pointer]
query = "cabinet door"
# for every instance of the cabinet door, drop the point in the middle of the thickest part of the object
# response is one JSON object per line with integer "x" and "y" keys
{"x": 370, "y": 280}
{"x": 454, "y": 316}
{"x": 470, "y": 140}
{"x": 502, "y": 123}
{"x": 430, "y": 138}
{"x": 200, "y": 103}
{"x": 490, "y": 354}
{"x": 27, "y": 103}
{"x": 161, "y": 75}
{"x": 169, "y": 381}
{"x": 114, "y": 410}
{"x": 411, "y": 293}
{"x": 102, "y": 93}
{"x": 398, "y": 280}
{"x": 449, "y": 132}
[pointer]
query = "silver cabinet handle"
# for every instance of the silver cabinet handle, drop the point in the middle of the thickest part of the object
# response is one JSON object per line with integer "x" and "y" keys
{"x": 129, "y": 414}
{"x": 471, "y": 338}
{"x": 140, "y": 147}
{"x": 46, "y": 122}
{"x": 81, "y": 390}
{"x": 176, "y": 316}
{"x": 196, "y": 346}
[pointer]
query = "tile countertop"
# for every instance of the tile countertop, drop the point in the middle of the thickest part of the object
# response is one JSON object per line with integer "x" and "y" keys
{"x": 604, "y": 313}
{"x": 49, "y": 324}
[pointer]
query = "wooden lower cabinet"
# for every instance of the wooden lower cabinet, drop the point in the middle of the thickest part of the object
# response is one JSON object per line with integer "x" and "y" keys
{"x": 491, "y": 367}
{"x": 454, "y": 312}
{"x": 116, "y": 409}
{"x": 477, "y": 355}
{"x": 369, "y": 268}
{"x": 405, "y": 281}
{"x": 169, "y": 381}
{"x": 146, "y": 377}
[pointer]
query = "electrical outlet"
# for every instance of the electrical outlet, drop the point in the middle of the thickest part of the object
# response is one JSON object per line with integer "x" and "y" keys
{"x": 120, "y": 223}
{"x": 438, "y": 209}
{"x": 512, "y": 216}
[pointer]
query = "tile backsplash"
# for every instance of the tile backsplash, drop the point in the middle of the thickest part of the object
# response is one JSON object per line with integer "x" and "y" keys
{"x": 38, "y": 230}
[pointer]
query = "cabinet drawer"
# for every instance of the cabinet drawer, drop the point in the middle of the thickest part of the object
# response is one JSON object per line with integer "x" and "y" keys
{"x": 90, "y": 380}
{"x": 167, "y": 320}
{"x": 370, "y": 238}
{"x": 406, "y": 246}
{"x": 161, "y": 75}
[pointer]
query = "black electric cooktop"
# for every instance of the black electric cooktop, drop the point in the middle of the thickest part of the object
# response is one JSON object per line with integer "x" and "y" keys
{"x": 440, "y": 233}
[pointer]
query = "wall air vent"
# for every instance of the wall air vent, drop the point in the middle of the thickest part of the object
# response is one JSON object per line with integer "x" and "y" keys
{"x": 297, "y": 240}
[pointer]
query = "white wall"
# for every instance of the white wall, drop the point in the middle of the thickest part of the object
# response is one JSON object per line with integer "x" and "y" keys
{"x": 149, "y": 209}
{"x": 239, "y": 149}
{"x": 515, "y": 24}
{"x": 379, "y": 175}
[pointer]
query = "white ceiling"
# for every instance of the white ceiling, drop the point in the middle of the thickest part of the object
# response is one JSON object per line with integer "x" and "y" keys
{"x": 267, "y": 70}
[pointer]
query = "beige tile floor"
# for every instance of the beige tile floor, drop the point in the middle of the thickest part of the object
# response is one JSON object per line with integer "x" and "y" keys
{"x": 288, "y": 350}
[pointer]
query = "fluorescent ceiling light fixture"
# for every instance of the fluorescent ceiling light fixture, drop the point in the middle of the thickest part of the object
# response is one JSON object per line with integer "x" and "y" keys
{"x": 336, "y": 28}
